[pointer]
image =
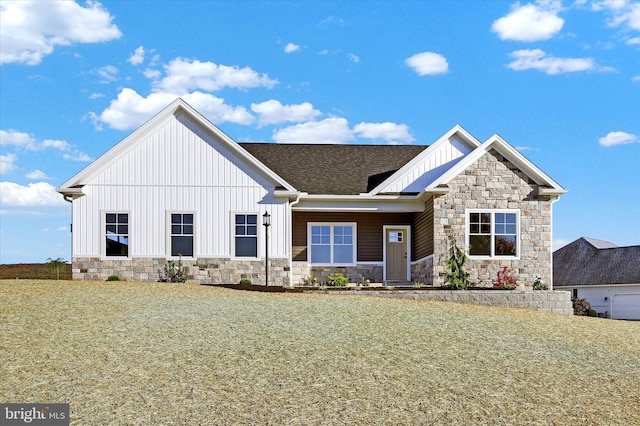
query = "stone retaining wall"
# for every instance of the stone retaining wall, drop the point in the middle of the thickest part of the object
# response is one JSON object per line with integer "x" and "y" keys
{"x": 557, "y": 302}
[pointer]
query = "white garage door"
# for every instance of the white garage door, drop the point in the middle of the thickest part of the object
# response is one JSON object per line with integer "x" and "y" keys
{"x": 625, "y": 306}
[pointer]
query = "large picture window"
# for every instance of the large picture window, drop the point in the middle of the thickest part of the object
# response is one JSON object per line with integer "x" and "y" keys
{"x": 332, "y": 243}
{"x": 493, "y": 233}
{"x": 117, "y": 234}
{"x": 246, "y": 235}
{"x": 182, "y": 234}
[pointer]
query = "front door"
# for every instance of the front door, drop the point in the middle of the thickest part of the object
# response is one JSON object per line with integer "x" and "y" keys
{"x": 396, "y": 254}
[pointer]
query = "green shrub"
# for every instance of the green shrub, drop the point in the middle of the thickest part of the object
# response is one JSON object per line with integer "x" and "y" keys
{"x": 245, "y": 281}
{"x": 538, "y": 284}
{"x": 310, "y": 281}
{"x": 456, "y": 278}
{"x": 113, "y": 278}
{"x": 364, "y": 282}
{"x": 580, "y": 306}
{"x": 174, "y": 272}
{"x": 338, "y": 280}
{"x": 592, "y": 313}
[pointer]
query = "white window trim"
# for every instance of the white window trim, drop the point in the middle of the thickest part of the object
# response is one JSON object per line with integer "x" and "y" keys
{"x": 259, "y": 235}
{"x": 103, "y": 234}
{"x": 195, "y": 233}
{"x": 467, "y": 212}
{"x": 354, "y": 225}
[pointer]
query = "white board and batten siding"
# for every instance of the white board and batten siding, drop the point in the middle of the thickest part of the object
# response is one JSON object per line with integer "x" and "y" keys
{"x": 431, "y": 164}
{"x": 177, "y": 167}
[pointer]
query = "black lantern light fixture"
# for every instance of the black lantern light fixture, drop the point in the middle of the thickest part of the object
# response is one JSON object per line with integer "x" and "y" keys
{"x": 266, "y": 222}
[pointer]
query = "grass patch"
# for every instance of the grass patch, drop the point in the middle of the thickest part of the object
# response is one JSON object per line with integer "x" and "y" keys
{"x": 132, "y": 353}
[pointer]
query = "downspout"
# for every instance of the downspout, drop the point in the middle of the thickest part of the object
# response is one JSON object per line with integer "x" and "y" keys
{"x": 290, "y": 234}
{"x": 553, "y": 201}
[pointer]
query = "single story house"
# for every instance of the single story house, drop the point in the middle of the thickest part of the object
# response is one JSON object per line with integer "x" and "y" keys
{"x": 178, "y": 187}
{"x": 606, "y": 275}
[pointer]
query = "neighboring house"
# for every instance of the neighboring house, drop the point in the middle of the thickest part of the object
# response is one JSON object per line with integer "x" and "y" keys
{"x": 178, "y": 186}
{"x": 606, "y": 275}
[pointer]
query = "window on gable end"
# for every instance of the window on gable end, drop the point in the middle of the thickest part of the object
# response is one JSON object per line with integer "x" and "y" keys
{"x": 493, "y": 233}
{"x": 246, "y": 235}
{"x": 117, "y": 234}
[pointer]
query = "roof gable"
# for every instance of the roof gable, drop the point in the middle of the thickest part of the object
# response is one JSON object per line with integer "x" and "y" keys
{"x": 547, "y": 186}
{"x": 190, "y": 118}
{"x": 430, "y": 164}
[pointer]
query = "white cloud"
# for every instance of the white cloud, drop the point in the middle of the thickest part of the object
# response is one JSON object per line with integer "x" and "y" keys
{"x": 30, "y": 30}
{"x": 7, "y": 163}
{"x": 57, "y": 144}
{"x": 618, "y": 138}
{"x": 129, "y": 109}
{"x": 34, "y": 194}
{"x": 623, "y": 12}
{"x": 77, "y": 156}
{"x": 37, "y": 175}
{"x": 108, "y": 74}
{"x": 291, "y": 47}
{"x": 96, "y": 95}
{"x": 183, "y": 75}
{"x": 18, "y": 139}
{"x": 354, "y": 58}
{"x": 636, "y": 79}
{"x": 390, "y": 132}
{"x": 137, "y": 57}
{"x": 531, "y": 22}
{"x": 152, "y": 74}
{"x": 26, "y": 141}
{"x": 272, "y": 112}
{"x": 539, "y": 60}
{"x": 428, "y": 63}
{"x": 329, "y": 130}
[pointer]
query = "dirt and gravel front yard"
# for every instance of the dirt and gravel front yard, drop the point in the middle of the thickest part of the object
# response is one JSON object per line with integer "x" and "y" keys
{"x": 159, "y": 353}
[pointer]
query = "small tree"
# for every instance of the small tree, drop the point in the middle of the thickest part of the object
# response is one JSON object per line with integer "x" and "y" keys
{"x": 456, "y": 277}
{"x": 56, "y": 265}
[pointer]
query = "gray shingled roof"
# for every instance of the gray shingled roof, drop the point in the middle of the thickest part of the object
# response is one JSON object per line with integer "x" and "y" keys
{"x": 333, "y": 169}
{"x": 587, "y": 261}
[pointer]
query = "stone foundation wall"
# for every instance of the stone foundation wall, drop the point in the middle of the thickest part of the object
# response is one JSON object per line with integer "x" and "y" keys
{"x": 200, "y": 271}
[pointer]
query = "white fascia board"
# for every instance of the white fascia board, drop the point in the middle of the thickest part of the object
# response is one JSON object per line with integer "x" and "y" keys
{"x": 379, "y": 203}
{"x": 456, "y": 130}
{"x": 511, "y": 154}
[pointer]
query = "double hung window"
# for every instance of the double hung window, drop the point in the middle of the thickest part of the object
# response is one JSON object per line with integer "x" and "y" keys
{"x": 332, "y": 243}
{"x": 493, "y": 233}
{"x": 117, "y": 234}
{"x": 246, "y": 235}
{"x": 182, "y": 234}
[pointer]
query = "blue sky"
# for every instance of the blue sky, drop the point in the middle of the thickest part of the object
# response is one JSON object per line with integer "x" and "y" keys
{"x": 558, "y": 80}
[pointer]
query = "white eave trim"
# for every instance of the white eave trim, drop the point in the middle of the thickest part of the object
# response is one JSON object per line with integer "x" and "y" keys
{"x": 72, "y": 193}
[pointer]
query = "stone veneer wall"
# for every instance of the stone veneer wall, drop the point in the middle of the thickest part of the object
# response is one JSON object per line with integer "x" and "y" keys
{"x": 201, "y": 271}
{"x": 422, "y": 271}
{"x": 494, "y": 183}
